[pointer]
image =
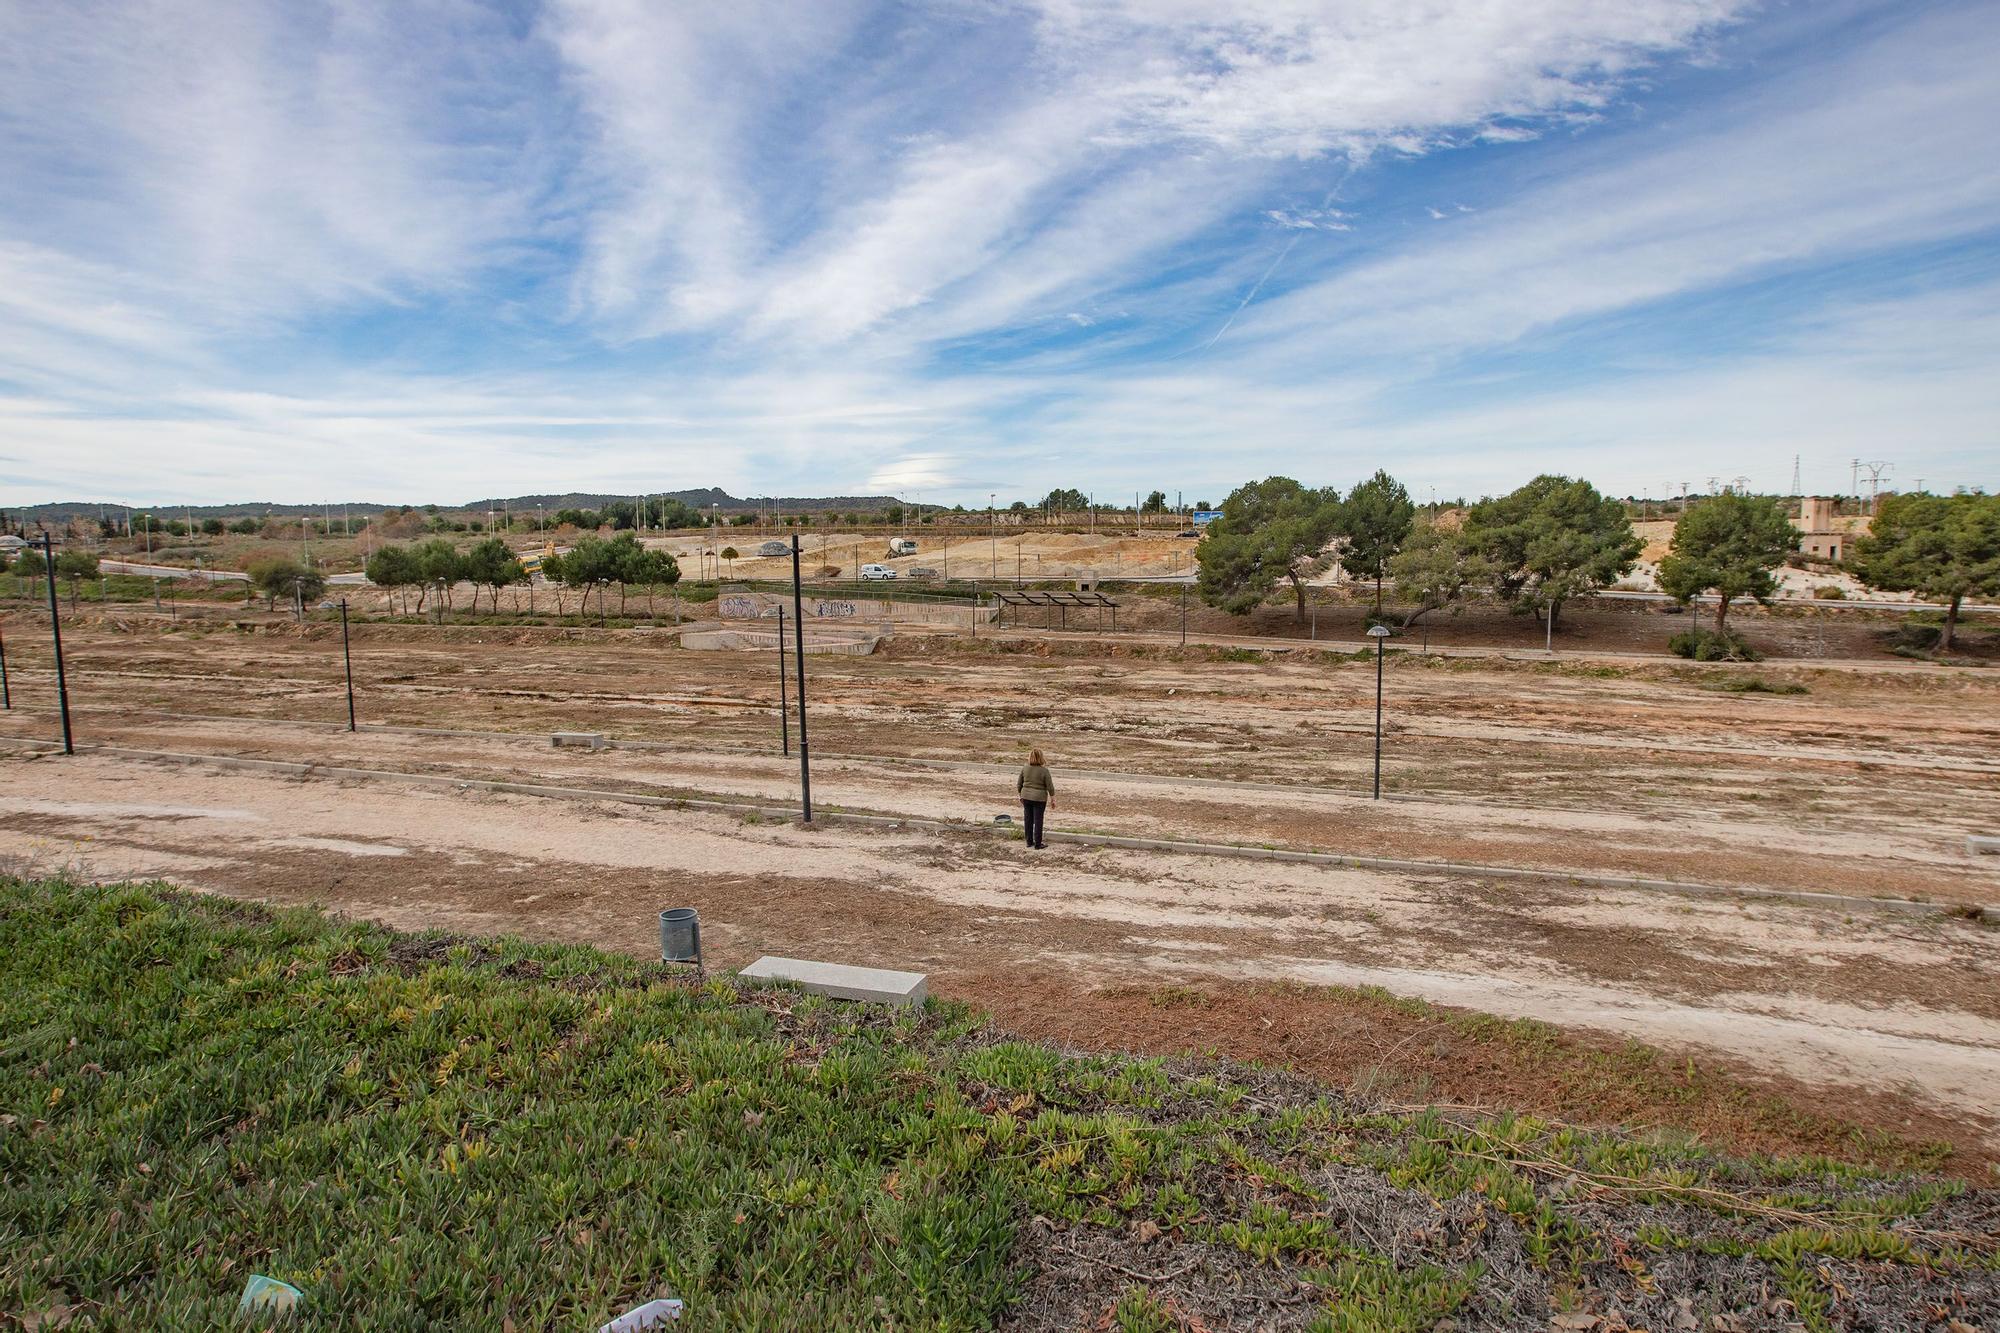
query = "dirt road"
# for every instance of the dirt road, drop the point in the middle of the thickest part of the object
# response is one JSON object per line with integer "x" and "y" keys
{"x": 1870, "y": 1001}
{"x": 1866, "y": 783}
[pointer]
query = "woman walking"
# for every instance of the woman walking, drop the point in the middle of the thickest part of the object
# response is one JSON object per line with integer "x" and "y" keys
{"x": 1037, "y": 789}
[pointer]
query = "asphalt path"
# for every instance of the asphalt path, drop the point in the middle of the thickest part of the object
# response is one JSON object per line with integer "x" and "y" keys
{"x": 205, "y": 575}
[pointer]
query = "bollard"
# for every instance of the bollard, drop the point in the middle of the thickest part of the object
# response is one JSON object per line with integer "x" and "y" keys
{"x": 680, "y": 935}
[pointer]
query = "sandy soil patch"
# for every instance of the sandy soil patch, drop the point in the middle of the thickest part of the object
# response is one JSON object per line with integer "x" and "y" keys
{"x": 1789, "y": 995}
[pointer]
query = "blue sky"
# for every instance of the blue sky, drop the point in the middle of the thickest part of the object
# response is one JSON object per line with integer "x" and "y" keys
{"x": 440, "y": 249}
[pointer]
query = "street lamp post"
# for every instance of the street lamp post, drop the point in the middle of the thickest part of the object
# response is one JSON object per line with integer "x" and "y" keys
{"x": 1379, "y": 633}
{"x": 347, "y": 662}
{"x": 55, "y": 633}
{"x": 784, "y": 704}
{"x": 799, "y": 646}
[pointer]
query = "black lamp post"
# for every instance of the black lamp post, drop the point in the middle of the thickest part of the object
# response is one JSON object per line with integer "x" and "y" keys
{"x": 1379, "y": 633}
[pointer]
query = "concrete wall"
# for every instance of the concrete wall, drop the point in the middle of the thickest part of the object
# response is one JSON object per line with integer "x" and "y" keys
{"x": 765, "y": 640}
{"x": 850, "y": 610}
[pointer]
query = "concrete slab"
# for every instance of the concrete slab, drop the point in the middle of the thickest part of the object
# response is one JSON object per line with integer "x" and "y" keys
{"x": 588, "y": 740}
{"x": 1976, "y": 846}
{"x": 841, "y": 982}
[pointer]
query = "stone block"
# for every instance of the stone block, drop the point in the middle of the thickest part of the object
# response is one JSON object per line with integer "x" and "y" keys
{"x": 840, "y": 982}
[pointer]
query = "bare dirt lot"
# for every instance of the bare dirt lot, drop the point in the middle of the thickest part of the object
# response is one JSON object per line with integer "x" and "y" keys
{"x": 1865, "y": 785}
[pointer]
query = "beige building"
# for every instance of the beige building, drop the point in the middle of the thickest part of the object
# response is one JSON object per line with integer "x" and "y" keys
{"x": 1820, "y": 534}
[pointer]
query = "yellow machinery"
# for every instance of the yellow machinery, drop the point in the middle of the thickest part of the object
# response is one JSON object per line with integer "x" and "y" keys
{"x": 531, "y": 561}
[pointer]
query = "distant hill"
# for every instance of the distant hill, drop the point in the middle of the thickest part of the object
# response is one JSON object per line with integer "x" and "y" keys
{"x": 63, "y": 510}
{"x": 701, "y": 498}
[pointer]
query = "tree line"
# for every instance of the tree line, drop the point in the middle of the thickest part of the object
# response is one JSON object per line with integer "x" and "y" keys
{"x": 1556, "y": 538}
{"x": 434, "y": 567}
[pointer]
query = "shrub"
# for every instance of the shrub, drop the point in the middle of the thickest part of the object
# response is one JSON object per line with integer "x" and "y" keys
{"x": 1921, "y": 631}
{"x": 1757, "y": 685}
{"x": 1708, "y": 646}
{"x": 1830, "y": 592}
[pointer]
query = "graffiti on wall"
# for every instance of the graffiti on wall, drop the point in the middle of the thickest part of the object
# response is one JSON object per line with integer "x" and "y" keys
{"x": 835, "y": 610}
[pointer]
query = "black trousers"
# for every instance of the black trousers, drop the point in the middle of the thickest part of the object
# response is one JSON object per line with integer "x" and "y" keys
{"x": 1031, "y": 812}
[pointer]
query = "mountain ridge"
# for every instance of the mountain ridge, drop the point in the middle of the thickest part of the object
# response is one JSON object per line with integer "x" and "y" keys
{"x": 699, "y": 497}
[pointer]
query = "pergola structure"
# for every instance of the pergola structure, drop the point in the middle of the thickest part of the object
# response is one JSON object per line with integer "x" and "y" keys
{"x": 1062, "y": 601}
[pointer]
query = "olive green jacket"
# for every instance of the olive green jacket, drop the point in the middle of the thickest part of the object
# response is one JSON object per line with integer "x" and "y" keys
{"x": 1035, "y": 784}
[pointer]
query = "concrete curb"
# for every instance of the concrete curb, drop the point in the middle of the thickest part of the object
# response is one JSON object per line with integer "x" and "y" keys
{"x": 784, "y": 814}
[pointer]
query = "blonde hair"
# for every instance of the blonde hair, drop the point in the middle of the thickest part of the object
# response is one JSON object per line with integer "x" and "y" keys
{"x": 1034, "y": 758}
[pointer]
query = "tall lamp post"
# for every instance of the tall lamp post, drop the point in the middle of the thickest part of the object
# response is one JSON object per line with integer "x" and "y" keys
{"x": 55, "y": 632}
{"x": 799, "y": 645}
{"x": 1379, "y": 633}
{"x": 347, "y": 662}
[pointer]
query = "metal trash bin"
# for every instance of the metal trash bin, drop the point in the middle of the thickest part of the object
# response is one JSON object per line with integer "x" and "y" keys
{"x": 680, "y": 935}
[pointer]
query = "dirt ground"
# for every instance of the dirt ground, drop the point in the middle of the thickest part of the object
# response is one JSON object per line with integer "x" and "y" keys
{"x": 1867, "y": 784}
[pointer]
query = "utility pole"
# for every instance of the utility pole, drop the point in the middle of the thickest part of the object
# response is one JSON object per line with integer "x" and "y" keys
{"x": 55, "y": 632}
{"x": 799, "y": 643}
{"x": 1875, "y": 470}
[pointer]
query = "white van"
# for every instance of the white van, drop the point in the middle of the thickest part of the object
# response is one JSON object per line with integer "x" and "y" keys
{"x": 877, "y": 572}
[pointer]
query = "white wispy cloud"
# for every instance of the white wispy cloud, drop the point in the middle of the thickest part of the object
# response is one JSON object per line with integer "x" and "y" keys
{"x": 1110, "y": 102}
{"x": 726, "y": 243}
{"x": 1839, "y": 161}
{"x": 263, "y": 158}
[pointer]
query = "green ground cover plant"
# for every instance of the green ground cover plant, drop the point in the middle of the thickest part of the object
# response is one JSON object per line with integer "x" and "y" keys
{"x": 428, "y": 1132}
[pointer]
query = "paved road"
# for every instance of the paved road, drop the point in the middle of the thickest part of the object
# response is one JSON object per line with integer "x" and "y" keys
{"x": 207, "y": 575}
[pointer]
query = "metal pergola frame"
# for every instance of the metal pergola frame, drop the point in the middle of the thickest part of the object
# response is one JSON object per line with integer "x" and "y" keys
{"x": 1062, "y": 601}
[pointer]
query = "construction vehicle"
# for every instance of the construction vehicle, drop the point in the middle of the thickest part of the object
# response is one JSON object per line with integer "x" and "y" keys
{"x": 531, "y": 561}
{"x": 902, "y": 546}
